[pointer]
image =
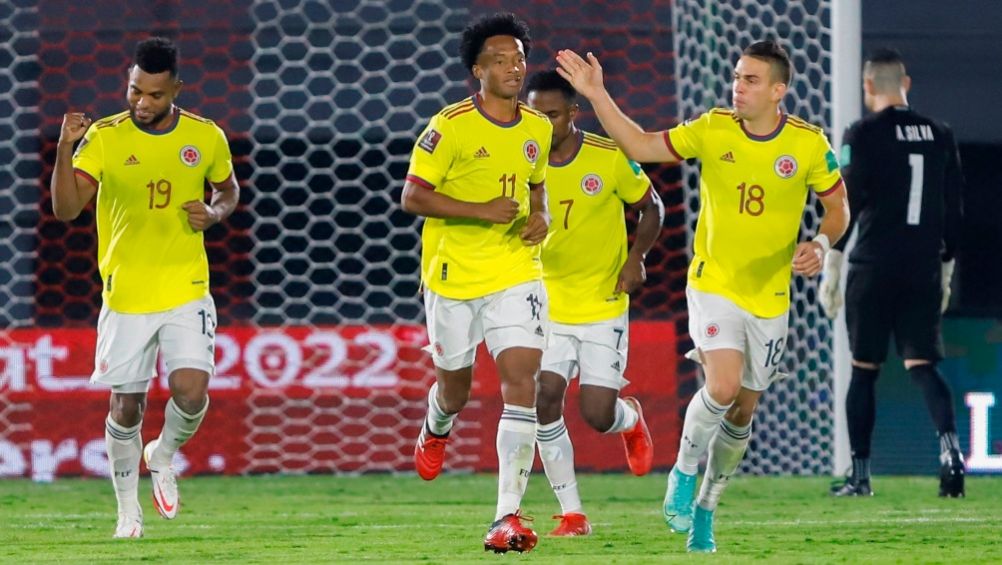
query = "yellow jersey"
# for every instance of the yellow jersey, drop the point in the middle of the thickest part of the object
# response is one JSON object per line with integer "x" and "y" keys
{"x": 752, "y": 193}
{"x": 149, "y": 257}
{"x": 587, "y": 247}
{"x": 467, "y": 155}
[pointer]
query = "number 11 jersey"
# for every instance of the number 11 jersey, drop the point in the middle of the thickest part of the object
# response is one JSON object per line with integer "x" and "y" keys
{"x": 465, "y": 154}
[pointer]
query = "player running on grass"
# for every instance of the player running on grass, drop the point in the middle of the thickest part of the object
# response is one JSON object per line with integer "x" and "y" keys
{"x": 148, "y": 167}
{"x": 589, "y": 272}
{"x": 758, "y": 165}
{"x": 477, "y": 175}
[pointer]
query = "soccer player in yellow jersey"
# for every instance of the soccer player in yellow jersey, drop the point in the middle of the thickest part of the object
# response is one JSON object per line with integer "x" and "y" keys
{"x": 589, "y": 272}
{"x": 758, "y": 165}
{"x": 477, "y": 175}
{"x": 148, "y": 168}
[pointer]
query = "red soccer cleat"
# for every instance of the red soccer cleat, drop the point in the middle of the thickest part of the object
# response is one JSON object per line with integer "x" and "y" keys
{"x": 508, "y": 533}
{"x": 638, "y": 443}
{"x": 429, "y": 453}
{"x": 571, "y": 524}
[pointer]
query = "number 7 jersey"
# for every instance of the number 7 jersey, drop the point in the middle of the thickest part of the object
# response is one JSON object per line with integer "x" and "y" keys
{"x": 150, "y": 259}
{"x": 467, "y": 155}
{"x": 752, "y": 194}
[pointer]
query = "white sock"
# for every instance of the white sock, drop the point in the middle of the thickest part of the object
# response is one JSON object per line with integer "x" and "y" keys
{"x": 727, "y": 448}
{"x": 701, "y": 420}
{"x": 626, "y": 417}
{"x": 438, "y": 421}
{"x": 124, "y": 446}
{"x": 178, "y": 428}
{"x": 557, "y": 453}
{"x": 516, "y": 450}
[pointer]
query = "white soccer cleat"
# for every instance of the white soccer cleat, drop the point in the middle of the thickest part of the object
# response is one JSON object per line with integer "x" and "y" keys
{"x": 165, "y": 496}
{"x": 129, "y": 526}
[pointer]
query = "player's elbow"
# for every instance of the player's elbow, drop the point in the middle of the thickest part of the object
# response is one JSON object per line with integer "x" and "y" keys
{"x": 64, "y": 213}
{"x": 410, "y": 200}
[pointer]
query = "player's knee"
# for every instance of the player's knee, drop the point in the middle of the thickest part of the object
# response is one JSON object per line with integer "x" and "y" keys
{"x": 741, "y": 415}
{"x": 912, "y": 363}
{"x": 452, "y": 399}
{"x": 549, "y": 402}
{"x": 723, "y": 392}
{"x": 190, "y": 402}
{"x": 126, "y": 410}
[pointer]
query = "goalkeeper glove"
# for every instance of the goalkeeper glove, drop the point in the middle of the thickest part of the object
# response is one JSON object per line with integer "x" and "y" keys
{"x": 829, "y": 294}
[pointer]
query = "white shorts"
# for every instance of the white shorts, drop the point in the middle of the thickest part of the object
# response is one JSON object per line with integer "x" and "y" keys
{"x": 514, "y": 317}
{"x": 127, "y": 344}
{"x": 717, "y": 323}
{"x": 596, "y": 352}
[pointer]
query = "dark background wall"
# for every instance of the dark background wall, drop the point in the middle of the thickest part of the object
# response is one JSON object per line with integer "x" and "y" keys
{"x": 953, "y": 51}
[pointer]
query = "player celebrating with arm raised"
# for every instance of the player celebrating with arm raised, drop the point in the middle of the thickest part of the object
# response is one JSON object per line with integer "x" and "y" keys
{"x": 148, "y": 167}
{"x": 477, "y": 175}
{"x": 589, "y": 272}
{"x": 758, "y": 164}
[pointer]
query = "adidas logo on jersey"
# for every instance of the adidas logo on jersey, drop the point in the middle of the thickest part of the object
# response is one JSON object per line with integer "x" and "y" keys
{"x": 131, "y": 160}
{"x": 729, "y": 157}
{"x": 539, "y": 331}
{"x": 617, "y": 366}
{"x": 481, "y": 153}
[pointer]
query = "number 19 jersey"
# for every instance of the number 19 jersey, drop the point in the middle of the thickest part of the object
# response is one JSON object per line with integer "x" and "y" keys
{"x": 752, "y": 193}
{"x": 467, "y": 155}
{"x": 149, "y": 257}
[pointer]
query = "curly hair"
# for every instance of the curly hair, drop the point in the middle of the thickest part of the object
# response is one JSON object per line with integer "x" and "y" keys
{"x": 475, "y": 34}
{"x": 156, "y": 55}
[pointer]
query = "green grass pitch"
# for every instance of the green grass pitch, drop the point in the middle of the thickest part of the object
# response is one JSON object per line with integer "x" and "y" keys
{"x": 402, "y": 519}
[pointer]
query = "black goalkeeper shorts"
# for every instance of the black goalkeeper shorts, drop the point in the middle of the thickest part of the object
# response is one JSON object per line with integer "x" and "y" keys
{"x": 879, "y": 302}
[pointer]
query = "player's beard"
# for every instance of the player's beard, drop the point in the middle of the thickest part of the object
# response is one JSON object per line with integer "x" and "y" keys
{"x": 156, "y": 119}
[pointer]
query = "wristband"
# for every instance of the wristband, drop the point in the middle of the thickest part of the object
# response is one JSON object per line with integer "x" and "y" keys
{"x": 822, "y": 239}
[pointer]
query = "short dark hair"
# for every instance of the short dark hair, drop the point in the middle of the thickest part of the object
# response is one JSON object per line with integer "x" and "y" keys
{"x": 885, "y": 55}
{"x": 776, "y": 56}
{"x": 551, "y": 80}
{"x": 156, "y": 55}
{"x": 886, "y": 68}
{"x": 502, "y": 23}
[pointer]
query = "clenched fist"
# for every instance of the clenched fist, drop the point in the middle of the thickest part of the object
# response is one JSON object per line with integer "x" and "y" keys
{"x": 75, "y": 124}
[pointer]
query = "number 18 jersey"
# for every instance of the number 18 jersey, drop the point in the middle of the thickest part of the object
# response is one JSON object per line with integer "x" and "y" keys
{"x": 752, "y": 193}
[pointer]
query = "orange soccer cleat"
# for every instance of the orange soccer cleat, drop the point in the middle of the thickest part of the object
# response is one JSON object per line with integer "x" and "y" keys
{"x": 508, "y": 533}
{"x": 638, "y": 443}
{"x": 571, "y": 524}
{"x": 429, "y": 453}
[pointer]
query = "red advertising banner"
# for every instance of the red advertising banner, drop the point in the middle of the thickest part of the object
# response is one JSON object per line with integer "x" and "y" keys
{"x": 299, "y": 399}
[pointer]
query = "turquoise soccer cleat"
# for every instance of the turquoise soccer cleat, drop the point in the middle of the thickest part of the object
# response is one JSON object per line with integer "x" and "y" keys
{"x": 701, "y": 535}
{"x": 678, "y": 500}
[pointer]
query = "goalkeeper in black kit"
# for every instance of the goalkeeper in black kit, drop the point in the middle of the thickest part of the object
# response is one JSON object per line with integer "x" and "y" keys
{"x": 903, "y": 175}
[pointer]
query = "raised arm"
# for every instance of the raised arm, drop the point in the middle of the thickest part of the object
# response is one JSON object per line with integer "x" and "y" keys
{"x": 70, "y": 192}
{"x": 586, "y": 78}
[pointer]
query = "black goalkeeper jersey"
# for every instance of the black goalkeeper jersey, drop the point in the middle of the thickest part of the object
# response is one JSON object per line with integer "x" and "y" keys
{"x": 902, "y": 173}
